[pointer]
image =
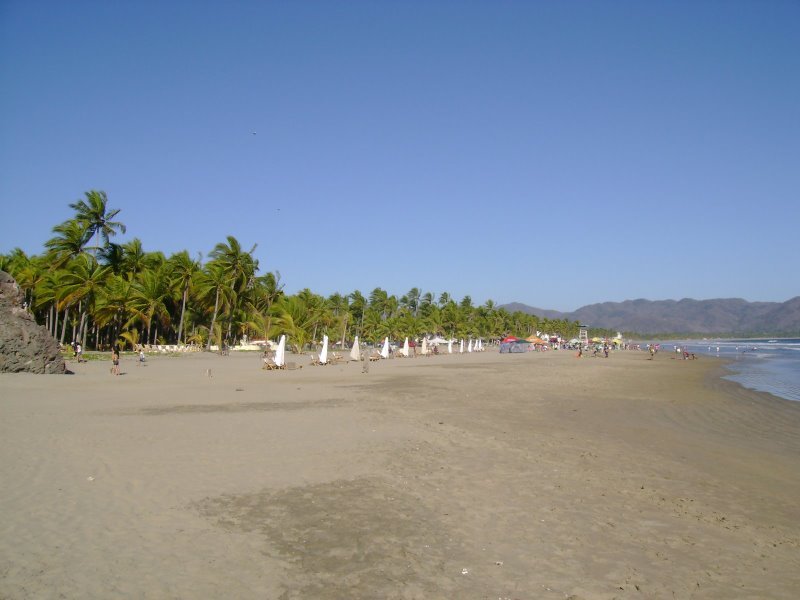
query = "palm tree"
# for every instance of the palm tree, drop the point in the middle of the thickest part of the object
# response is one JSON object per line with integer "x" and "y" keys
{"x": 378, "y": 299}
{"x": 97, "y": 217}
{"x": 413, "y": 299}
{"x": 213, "y": 281}
{"x": 69, "y": 243}
{"x": 240, "y": 268}
{"x": 183, "y": 271}
{"x": 113, "y": 306}
{"x": 82, "y": 282}
{"x": 293, "y": 318}
{"x": 149, "y": 297}
{"x": 134, "y": 258}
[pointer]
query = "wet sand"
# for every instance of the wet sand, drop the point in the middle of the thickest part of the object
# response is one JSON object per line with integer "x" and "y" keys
{"x": 474, "y": 476}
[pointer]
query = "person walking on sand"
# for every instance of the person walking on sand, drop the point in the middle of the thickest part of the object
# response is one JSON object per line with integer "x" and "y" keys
{"x": 114, "y": 362}
{"x": 365, "y": 358}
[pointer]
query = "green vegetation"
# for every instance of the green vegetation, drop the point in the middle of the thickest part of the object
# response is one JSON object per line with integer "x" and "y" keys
{"x": 85, "y": 287}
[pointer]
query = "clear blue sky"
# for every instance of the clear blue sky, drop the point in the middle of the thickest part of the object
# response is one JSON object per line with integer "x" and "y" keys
{"x": 551, "y": 153}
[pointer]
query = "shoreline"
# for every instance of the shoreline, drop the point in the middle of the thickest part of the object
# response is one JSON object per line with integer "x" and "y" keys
{"x": 530, "y": 476}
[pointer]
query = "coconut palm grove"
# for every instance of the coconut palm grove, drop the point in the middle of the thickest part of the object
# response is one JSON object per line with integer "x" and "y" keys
{"x": 84, "y": 287}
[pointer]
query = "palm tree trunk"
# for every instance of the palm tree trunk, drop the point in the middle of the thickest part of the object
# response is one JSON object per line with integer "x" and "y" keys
{"x": 64, "y": 324}
{"x": 213, "y": 321}
{"x": 80, "y": 335}
{"x": 183, "y": 310}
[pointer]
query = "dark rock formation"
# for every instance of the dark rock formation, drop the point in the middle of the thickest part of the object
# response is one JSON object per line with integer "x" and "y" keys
{"x": 24, "y": 345}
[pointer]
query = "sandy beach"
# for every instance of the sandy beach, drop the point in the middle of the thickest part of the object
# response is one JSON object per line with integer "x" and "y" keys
{"x": 491, "y": 476}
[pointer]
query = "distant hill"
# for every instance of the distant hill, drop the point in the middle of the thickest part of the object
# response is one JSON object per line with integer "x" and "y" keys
{"x": 719, "y": 316}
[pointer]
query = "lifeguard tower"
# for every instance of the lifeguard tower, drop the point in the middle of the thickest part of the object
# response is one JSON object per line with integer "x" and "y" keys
{"x": 583, "y": 335}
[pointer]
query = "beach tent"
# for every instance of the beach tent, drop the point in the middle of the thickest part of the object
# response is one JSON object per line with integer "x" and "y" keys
{"x": 280, "y": 353}
{"x": 355, "y": 352}
{"x": 517, "y": 346}
{"x": 323, "y": 356}
{"x": 385, "y": 349}
{"x": 405, "y": 351}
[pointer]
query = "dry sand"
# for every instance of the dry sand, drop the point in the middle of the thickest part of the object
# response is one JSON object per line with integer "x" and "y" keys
{"x": 474, "y": 476}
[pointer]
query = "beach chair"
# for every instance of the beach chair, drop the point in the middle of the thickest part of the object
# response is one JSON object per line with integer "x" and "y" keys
{"x": 315, "y": 361}
{"x": 270, "y": 364}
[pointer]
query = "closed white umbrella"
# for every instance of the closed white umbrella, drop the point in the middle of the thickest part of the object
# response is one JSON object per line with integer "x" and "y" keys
{"x": 280, "y": 353}
{"x": 405, "y": 351}
{"x": 355, "y": 353}
{"x": 424, "y": 346}
{"x": 469, "y": 348}
{"x": 323, "y": 356}
{"x": 461, "y": 348}
{"x": 449, "y": 346}
{"x": 385, "y": 349}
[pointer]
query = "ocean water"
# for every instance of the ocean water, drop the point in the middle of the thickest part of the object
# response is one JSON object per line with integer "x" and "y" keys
{"x": 766, "y": 365}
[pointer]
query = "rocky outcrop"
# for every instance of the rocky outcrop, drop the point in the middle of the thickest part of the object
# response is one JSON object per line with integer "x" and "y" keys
{"x": 24, "y": 345}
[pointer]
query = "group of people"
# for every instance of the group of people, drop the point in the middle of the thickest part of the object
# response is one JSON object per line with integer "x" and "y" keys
{"x": 115, "y": 357}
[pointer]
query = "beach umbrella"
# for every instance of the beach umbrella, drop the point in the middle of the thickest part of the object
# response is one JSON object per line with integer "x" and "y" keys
{"x": 405, "y": 351}
{"x": 355, "y": 353}
{"x": 323, "y": 356}
{"x": 280, "y": 353}
{"x": 510, "y": 338}
{"x": 449, "y": 346}
{"x": 385, "y": 349}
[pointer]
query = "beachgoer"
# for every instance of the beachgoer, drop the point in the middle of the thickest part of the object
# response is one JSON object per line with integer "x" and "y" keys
{"x": 79, "y": 351}
{"x": 114, "y": 362}
{"x": 141, "y": 357}
{"x": 365, "y": 356}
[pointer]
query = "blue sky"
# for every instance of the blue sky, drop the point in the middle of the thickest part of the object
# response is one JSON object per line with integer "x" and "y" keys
{"x": 551, "y": 153}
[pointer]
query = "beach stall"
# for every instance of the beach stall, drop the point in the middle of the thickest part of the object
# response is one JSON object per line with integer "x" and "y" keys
{"x": 515, "y": 346}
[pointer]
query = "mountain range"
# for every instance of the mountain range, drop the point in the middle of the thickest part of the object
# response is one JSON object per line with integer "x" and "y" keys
{"x": 733, "y": 316}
